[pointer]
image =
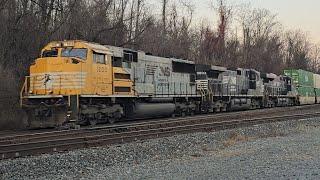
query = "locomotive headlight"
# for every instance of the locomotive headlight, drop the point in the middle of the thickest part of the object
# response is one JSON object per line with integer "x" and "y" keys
{"x": 57, "y": 45}
{"x": 30, "y": 92}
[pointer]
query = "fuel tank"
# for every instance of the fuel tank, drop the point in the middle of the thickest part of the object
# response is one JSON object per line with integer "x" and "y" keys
{"x": 240, "y": 104}
{"x": 151, "y": 110}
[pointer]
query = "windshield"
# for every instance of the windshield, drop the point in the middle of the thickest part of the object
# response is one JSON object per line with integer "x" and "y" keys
{"x": 78, "y": 53}
{"x": 50, "y": 53}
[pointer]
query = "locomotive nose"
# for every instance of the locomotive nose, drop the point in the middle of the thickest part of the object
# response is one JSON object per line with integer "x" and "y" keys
{"x": 56, "y": 76}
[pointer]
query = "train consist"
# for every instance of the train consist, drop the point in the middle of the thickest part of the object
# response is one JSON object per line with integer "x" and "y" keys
{"x": 88, "y": 83}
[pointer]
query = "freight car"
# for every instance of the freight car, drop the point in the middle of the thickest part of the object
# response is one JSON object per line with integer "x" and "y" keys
{"x": 88, "y": 83}
{"x": 307, "y": 84}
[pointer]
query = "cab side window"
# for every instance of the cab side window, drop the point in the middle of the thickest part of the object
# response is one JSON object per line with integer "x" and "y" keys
{"x": 99, "y": 58}
{"x": 116, "y": 61}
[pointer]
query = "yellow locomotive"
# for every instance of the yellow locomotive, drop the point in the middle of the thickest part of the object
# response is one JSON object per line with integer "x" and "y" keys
{"x": 91, "y": 83}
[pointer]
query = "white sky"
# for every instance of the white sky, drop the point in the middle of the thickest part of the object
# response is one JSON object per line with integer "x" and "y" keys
{"x": 293, "y": 14}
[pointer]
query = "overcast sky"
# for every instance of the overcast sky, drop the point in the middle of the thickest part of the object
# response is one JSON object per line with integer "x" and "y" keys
{"x": 293, "y": 14}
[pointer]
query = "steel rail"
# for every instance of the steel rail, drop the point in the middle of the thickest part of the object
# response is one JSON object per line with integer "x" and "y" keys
{"x": 123, "y": 127}
{"x": 16, "y": 138}
{"x": 65, "y": 144}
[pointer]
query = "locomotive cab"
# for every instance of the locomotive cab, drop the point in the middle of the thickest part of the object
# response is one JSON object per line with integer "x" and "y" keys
{"x": 46, "y": 77}
{"x": 66, "y": 73}
{"x": 72, "y": 68}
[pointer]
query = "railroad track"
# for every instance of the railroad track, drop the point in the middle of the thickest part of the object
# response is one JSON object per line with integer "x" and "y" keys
{"x": 12, "y": 138}
{"x": 69, "y": 140}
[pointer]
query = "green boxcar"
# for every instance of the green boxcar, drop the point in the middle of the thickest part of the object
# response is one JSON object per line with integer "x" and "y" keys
{"x": 307, "y": 95}
{"x": 306, "y": 91}
{"x": 301, "y": 77}
{"x": 317, "y": 91}
{"x": 305, "y": 85}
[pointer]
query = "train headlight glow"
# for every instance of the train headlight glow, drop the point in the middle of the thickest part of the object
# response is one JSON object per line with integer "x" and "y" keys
{"x": 57, "y": 45}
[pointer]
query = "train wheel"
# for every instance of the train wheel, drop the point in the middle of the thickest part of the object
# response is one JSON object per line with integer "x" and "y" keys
{"x": 60, "y": 117}
{"x": 93, "y": 121}
{"x": 111, "y": 120}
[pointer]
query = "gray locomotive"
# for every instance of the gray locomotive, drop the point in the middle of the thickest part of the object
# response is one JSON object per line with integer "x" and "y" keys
{"x": 242, "y": 89}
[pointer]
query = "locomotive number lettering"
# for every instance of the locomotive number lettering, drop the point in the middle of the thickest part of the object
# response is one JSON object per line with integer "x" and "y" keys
{"x": 101, "y": 69}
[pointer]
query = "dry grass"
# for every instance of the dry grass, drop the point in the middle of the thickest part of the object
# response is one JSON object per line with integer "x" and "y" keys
{"x": 234, "y": 139}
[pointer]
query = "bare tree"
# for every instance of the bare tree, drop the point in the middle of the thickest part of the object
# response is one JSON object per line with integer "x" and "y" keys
{"x": 297, "y": 50}
{"x": 138, "y": 11}
{"x": 261, "y": 41}
{"x": 27, "y": 25}
{"x": 3, "y": 4}
{"x": 164, "y": 14}
{"x": 315, "y": 58}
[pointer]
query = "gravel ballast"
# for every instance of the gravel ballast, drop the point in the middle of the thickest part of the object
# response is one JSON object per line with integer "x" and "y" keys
{"x": 284, "y": 150}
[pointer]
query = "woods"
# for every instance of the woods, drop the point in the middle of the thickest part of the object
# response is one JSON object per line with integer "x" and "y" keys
{"x": 249, "y": 38}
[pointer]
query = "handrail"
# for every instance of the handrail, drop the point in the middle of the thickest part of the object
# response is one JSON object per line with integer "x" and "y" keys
{"x": 22, "y": 90}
